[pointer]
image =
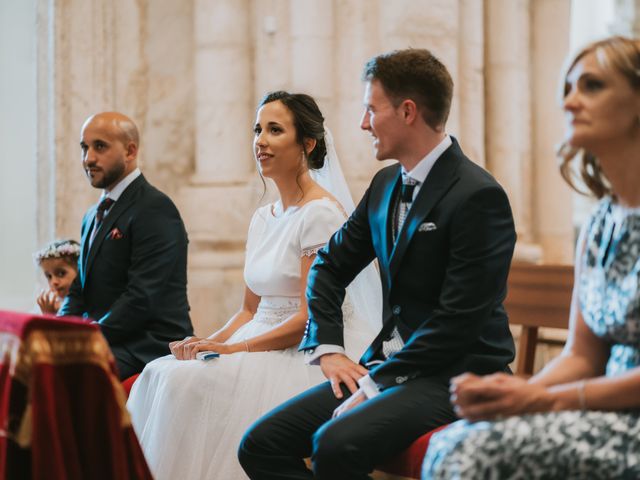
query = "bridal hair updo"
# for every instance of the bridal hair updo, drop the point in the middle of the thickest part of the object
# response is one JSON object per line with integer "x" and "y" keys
{"x": 619, "y": 54}
{"x": 308, "y": 121}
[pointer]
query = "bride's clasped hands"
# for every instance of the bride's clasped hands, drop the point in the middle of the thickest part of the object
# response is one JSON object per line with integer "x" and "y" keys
{"x": 188, "y": 348}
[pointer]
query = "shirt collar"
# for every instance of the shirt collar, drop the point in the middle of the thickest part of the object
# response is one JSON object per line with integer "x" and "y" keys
{"x": 421, "y": 170}
{"x": 122, "y": 185}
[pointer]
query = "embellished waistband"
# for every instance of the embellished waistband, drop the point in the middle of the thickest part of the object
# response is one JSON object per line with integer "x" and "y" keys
{"x": 274, "y": 310}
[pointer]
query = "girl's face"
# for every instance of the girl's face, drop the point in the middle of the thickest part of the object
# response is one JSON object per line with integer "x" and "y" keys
{"x": 600, "y": 105}
{"x": 276, "y": 148}
{"x": 59, "y": 274}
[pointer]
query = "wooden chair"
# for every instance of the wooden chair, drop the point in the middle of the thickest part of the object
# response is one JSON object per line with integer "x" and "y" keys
{"x": 538, "y": 296}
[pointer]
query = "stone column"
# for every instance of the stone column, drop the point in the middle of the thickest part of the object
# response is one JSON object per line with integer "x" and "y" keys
{"x": 92, "y": 58}
{"x": 470, "y": 86}
{"x": 552, "y": 197}
{"x": 272, "y": 63}
{"x": 312, "y": 50}
{"x": 223, "y": 95}
{"x": 217, "y": 205}
{"x": 356, "y": 40}
{"x": 508, "y": 111}
{"x": 82, "y": 80}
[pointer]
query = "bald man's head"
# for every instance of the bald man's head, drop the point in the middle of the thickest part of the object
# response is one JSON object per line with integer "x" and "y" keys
{"x": 119, "y": 122}
{"x": 109, "y": 143}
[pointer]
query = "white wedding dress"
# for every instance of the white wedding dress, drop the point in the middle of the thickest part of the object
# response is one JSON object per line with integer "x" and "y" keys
{"x": 191, "y": 415}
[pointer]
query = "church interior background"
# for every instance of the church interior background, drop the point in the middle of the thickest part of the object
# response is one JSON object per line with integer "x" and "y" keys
{"x": 190, "y": 73}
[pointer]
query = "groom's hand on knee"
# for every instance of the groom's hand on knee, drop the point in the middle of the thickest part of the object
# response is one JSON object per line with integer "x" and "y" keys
{"x": 339, "y": 369}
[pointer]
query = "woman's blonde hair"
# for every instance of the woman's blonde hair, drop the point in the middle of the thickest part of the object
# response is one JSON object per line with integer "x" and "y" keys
{"x": 621, "y": 55}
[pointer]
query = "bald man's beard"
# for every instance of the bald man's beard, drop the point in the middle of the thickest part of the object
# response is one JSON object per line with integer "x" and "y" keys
{"x": 109, "y": 177}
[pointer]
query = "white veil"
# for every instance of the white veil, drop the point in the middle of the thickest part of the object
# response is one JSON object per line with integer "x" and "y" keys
{"x": 365, "y": 292}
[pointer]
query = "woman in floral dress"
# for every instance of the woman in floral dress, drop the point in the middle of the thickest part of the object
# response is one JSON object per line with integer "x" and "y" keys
{"x": 580, "y": 416}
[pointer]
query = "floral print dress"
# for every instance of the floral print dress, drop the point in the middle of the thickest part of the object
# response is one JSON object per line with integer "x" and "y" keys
{"x": 568, "y": 444}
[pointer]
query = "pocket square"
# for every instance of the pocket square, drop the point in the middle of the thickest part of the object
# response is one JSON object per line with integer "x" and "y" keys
{"x": 115, "y": 234}
{"x": 427, "y": 227}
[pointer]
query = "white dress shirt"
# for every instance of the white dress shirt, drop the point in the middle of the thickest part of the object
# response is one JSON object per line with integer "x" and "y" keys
{"x": 114, "y": 194}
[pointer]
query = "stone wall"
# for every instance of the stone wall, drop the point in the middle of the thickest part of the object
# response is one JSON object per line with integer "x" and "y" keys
{"x": 191, "y": 73}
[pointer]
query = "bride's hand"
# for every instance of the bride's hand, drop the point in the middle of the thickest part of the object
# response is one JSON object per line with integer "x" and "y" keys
{"x": 339, "y": 368}
{"x": 206, "y": 345}
{"x": 178, "y": 348}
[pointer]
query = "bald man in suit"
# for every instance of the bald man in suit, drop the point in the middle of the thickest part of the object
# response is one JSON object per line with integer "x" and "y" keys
{"x": 132, "y": 271}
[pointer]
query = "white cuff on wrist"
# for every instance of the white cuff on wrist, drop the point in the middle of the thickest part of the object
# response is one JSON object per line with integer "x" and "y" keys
{"x": 368, "y": 386}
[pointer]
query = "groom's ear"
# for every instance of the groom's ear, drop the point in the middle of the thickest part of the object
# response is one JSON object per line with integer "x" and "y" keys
{"x": 309, "y": 145}
{"x": 409, "y": 110}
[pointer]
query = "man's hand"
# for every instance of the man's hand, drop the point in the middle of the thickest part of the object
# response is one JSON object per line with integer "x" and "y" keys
{"x": 351, "y": 402}
{"x": 338, "y": 368}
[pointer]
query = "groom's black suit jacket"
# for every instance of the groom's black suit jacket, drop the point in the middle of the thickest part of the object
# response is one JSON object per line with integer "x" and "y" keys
{"x": 133, "y": 278}
{"x": 444, "y": 280}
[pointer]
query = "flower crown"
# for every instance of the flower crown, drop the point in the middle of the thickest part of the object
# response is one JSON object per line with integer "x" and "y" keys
{"x": 64, "y": 248}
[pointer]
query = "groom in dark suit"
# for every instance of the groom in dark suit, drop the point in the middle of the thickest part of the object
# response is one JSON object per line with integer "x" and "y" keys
{"x": 442, "y": 230}
{"x": 132, "y": 271}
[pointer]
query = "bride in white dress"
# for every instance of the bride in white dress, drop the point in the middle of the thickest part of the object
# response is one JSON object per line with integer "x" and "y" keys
{"x": 190, "y": 414}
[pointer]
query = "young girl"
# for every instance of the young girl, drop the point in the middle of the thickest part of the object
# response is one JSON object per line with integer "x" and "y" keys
{"x": 59, "y": 263}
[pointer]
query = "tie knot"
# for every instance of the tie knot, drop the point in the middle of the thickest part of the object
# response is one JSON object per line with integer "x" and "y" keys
{"x": 105, "y": 204}
{"x": 406, "y": 192}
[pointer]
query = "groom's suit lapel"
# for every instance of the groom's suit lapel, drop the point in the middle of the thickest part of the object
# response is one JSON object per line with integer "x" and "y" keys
{"x": 125, "y": 201}
{"x": 385, "y": 219}
{"x": 440, "y": 179}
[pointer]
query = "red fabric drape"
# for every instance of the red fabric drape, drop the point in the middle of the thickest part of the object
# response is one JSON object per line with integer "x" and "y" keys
{"x": 62, "y": 407}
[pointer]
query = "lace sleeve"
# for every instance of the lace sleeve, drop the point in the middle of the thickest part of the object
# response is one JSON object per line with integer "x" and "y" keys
{"x": 320, "y": 221}
{"x": 311, "y": 251}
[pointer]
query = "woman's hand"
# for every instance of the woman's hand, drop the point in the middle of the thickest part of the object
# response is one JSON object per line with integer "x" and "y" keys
{"x": 179, "y": 347}
{"x": 48, "y": 302}
{"x": 494, "y": 396}
{"x": 206, "y": 345}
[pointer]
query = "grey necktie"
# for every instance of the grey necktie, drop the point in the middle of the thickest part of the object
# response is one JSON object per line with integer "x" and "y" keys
{"x": 404, "y": 204}
{"x": 103, "y": 206}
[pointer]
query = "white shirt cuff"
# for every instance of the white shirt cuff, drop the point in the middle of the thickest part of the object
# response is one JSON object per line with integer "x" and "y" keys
{"x": 312, "y": 356}
{"x": 368, "y": 386}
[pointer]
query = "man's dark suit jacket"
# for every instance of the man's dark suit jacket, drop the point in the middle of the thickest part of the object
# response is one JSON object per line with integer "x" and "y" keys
{"x": 133, "y": 278}
{"x": 444, "y": 280}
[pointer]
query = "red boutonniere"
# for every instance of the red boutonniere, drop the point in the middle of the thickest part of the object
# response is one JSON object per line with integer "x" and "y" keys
{"x": 115, "y": 234}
